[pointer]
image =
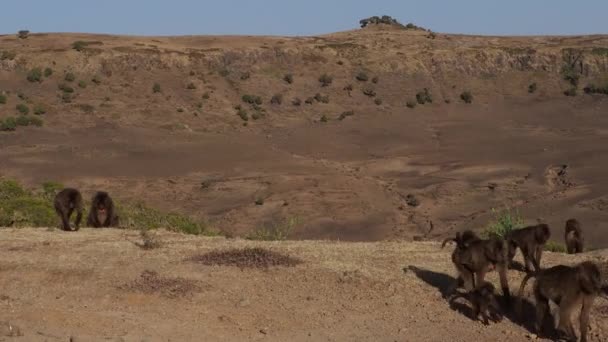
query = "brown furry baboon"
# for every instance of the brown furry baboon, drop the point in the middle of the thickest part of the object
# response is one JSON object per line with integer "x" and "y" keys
{"x": 574, "y": 237}
{"x": 480, "y": 257}
{"x": 462, "y": 240}
{"x": 484, "y": 302}
{"x": 65, "y": 202}
{"x": 102, "y": 211}
{"x": 568, "y": 287}
{"x": 531, "y": 241}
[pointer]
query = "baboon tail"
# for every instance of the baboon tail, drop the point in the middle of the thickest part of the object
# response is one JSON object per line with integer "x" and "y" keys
{"x": 521, "y": 292}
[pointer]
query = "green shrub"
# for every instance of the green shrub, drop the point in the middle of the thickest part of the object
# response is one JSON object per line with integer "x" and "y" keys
{"x": 23, "y": 120}
{"x": 410, "y": 103}
{"x": 466, "y": 96}
{"x": 555, "y": 247}
{"x": 156, "y": 88}
{"x": 137, "y": 215}
{"x": 288, "y": 78}
{"x": 275, "y": 231}
{"x": 532, "y": 88}
{"x": 10, "y": 189}
{"x": 70, "y": 77}
{"x": 344, "y": 115}
{"x": 321, "y": 98}
{"x": 23, "y": 34}
{"x": 324, "y": 118}
{"x": 8, "y": 125}
{"x": 361, "y": 76}
{"x": 82, "y": 84}
{"x": 7, "y": 55}
{"x": 2, "y": 99}
{"x": 206, "y": 95}
{"x": 424, "y": 96}
{"x": 23, "y": 109}
{"x": 252, "y": 99}
{"x": 66, "y": 97}
{"x": 369, "y": 92}
{"x": 48, "y": 72}
{"x": 593, "y": 89}
{"x": 504, "y": 222}
{"x": 50, "y": 189}
{"x": 325, "y": 80}
{"x": 276, "y": 99}
{"x": 79, "y": 45}
{"x": 378, "y": 102}
{"x": 65, "y": 88}
{"x": 35, "y": 121}
{"x": 39, "y": 110}
{"x": 191, "y": 86}
{"x": 243, "y": 114}
{"x": 570, "y": 75}
{"x": 35, "y": 75}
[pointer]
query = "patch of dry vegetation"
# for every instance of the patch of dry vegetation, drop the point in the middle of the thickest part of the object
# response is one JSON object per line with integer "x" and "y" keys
{"x": 246, "y": 258}
{"x": 150, "y": 282}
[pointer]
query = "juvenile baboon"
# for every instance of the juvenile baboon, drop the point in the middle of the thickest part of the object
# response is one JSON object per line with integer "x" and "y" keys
{"x": 574, "y": 237}
{"x": 568, "y": 287}
{"x": 531, "y": 241}
{"x": 462, "y": 240}
{"x": 478, "y": 258}
{"x": 102, "y": 211}
{"x": 484, "y": 302}
{"x": 65, "y": 202}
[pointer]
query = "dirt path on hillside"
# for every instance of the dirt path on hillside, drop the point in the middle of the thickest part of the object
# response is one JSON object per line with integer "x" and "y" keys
{"x": 98, "y": 285}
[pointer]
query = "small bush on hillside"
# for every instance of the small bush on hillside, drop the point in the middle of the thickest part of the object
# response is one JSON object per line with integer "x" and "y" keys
{"x": 96, "y": 80}
{"x": 554, "y": 247}
{"x": 82, "y": 84}
{"x": 410, "y": 103}
{"x": 288, "y": 78}
{"x": 466, "y": 96}
{"x": 375, "y": 79}
{"x": 7, "y": 55}
{"x": 79, "y": 45}
{"x": 344, "y": 115}
{"x": 23, "y": 109}
{"x": 348, "y": 88}
{"x": 274, "y": 231}
{"x": 39, "y": 110}
{"x": 245, "y": 76}
{"x": 570, "y": 75}
{"x": 570, "y": 92}
{"x": 23, "y": 34}
{"x": 2, "y": 99}
{"x": 296, "y": 101}
{"x": 243, "y": 114}
{"x": 22, "y": 96}
{"x": 593, "y": 89}
{"x": 35, "y": 75}
{"x": 191, "y": 86}
{"x": 23, "y": 120}
{"x": 362, "y": 77}
{"x": 424, "y": 96}
{"x": 252, "y": 99}
{"x": 48, "y": 72}
{"x": 378, "y": 102}
{"x": 86, "y": 108}
{"x": 50, "y": 189}
{"x": 276, "y": 99}
{"x": 310, "y": 100}
{"x": 206, "y": 95}
{"x": 70, "y": 77}
{"x": 65, "y": 88}
{"x": 325, "y": 80}
{"x": 321, "y": 98}
{"x": 369, "y": 92}
{"x": 505, "y": 221}
{"x": 156, "y": 88}
{"x": 324, "y": 118}
{"x": 224, "y": 72}
{"x": 8, "y": 125}
{"x": 35, "y": 121}
{"x": 66, "y": 98}
{"x": 532, "y": 88}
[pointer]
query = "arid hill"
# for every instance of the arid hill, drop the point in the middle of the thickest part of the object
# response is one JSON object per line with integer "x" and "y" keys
{"x": 336, "y": 130}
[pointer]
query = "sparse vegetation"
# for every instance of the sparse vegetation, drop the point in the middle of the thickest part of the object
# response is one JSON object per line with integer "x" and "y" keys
{"x": 466, "y": 96}
{"x": 321, "y": 98}
{"x": 570, "y": 92}
{"x": 156, "y": 88}
{"x": 35, "y": 75}
{"x": 369, "y": 92}
{"x": 376, "y": 20}
{"x": 86, "y": 108}
{"x": 324, "y": 118}
{"x": 555, "y": 247}
{"x": 378, "y": 102}
{"x": 65, "y": 88}
{"x": 7, "y": 55}
{"x": 39, "y": 110}
{"x": 245, "y": 76}
{"x": 252, "y": 99}
{"x": 246, "y": 258}
{"x": 96, "y": 80}
{"x": 505, "y": 221}
{"x": 601, "y": 51}
{"x": 80, "y": 45}
{"x": 206, "y": 95}
{"x": 23, "y": 34}
{"x": 149, "y": 239}
{"x": 325, "y": 80}
{"x": 296, "y": 101}
{"x": 348, "y": 88}
{"x": 276, "y": 99}
{"x": 375, "y": 79}
{"x": 410, "y": 104}
{"x": 191, "y": 86}
{"x": 66, "y": 98}
{"x": 23, "y": 120}
{"x": 278, "y": 230}
{"x": 346, "y": 114}
{"x": 424, "y": 96}
{"x": 593, "y": 89}
{"x": 82, "y": 84}
{"x": 362, "y": 77}
{"x": 310, "y": 100}
{"x": 70, "y": 77}
{"x": 3, "y": 99}
{"x": 135, "y": 216}
{"x": 48, "y": 72}
{"x": 242, "y": 113}
{"x": 288, "y": 78}
{"x": 8, "y": 125}
{"x": 22, "y": 108}
{"x": 532, "y": 88}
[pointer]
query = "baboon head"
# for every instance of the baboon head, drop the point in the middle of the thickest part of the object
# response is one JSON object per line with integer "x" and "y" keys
{"x": 542, "y": 233}
{"x": 589, "y": 277}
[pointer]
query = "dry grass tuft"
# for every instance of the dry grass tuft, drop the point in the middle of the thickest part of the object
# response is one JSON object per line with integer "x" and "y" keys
{"x": 150, "y": 282}
{"x": 246, "y": 258}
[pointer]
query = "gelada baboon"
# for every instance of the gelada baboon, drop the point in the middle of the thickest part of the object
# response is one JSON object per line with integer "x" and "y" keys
{"x": 531, "y": 241}
{"x": 66, "y": 201}
{"x": 462, "y": 240}
{"x": 102, "y": 211}
{"x": 574, "y": 237}
{"x": 472, "y": 262}
{"x": 484, "y": 302}
{"x": 568, "y": 287}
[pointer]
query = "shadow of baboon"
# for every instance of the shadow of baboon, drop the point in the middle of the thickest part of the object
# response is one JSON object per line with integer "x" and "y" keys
{"x": 440, "y": 281}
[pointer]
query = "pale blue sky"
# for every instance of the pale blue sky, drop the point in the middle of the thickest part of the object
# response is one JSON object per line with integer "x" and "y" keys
{"x": 296, "y": 17}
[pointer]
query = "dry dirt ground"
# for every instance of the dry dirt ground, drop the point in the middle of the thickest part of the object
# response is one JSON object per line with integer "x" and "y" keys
{"x": 345, "y": 179}
{"x": 98, "y": 285}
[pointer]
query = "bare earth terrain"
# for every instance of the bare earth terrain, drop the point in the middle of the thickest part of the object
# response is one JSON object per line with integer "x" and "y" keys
{"x": 97, "y": 285}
